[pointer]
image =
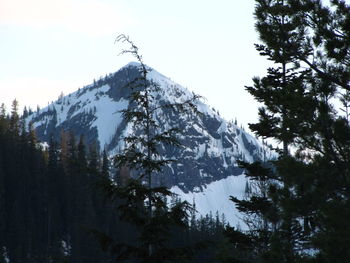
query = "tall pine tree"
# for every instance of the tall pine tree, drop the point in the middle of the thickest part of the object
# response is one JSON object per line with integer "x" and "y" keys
{"x": 144, "y": 202}
{"x": 310, "y": 189}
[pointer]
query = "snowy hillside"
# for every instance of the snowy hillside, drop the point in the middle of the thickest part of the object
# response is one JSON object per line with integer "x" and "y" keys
{"x": 206, "y": 166}
{"x": 215, "y": 198}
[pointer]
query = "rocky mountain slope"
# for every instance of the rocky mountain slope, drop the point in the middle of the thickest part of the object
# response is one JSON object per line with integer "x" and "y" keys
{"x": 211, "y": 145}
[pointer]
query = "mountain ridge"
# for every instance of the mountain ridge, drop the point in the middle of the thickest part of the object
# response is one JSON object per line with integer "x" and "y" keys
{"x": 211, "y": 146}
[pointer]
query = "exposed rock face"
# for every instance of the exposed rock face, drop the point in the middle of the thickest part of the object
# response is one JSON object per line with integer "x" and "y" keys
{"x": 211, "y": 145}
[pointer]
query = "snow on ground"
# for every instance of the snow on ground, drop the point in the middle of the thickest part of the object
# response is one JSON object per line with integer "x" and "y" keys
{"x": 215, "y": 197}
{"x": 108, "y": 117}
{"x": 5, "y": 254}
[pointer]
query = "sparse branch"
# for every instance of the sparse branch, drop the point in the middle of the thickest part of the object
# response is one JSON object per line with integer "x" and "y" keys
{"x": 133, "y": 50}
{"x": 141, "y": 154}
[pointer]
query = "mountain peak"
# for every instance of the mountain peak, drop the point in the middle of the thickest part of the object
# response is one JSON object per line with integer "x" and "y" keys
{"x": 211, "y": 145}
{"x": 132, "y": 64}
{"x": 210, "y": 148}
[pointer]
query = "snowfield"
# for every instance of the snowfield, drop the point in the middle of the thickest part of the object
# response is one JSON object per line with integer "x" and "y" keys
{"x": 207, "y": 171}
{"x": 215, "y": 197}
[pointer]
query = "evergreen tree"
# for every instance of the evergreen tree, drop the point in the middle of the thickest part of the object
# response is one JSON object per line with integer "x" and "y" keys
{"x": 14, "y": 124}
{"x": 307, "y": 200}
{"x": 105, "y": 165}
{"x": 55, "y": 203}
{"x": 145, "y": 203}
{"x": 281, "y": 30}
{"x": 3, "y": 119}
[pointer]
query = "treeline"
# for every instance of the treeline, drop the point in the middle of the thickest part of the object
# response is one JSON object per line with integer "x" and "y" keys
{"x": 51, "y": 204}
{"x": 48, "y": 202}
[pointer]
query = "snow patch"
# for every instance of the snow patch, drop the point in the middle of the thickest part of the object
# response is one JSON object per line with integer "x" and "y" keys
{"x": 201, "y": 150}
{"x": 108, "y": 117}
{"x": 215, "y": 197}
{"x": 5, "y": 255}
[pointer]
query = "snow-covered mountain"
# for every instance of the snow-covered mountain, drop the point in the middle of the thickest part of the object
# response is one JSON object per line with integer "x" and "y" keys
{"x": 211, "y": 145}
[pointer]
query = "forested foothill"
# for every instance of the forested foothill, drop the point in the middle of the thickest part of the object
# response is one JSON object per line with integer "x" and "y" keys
{"x": 53, "y": 208}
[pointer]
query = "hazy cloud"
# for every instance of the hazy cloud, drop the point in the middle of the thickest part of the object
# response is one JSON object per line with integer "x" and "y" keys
{"x": 90, "y": 17}
{"x": 36, "y": 90}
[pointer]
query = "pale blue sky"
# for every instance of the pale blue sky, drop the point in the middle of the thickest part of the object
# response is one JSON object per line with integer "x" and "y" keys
{"x": 53, "y": 46}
